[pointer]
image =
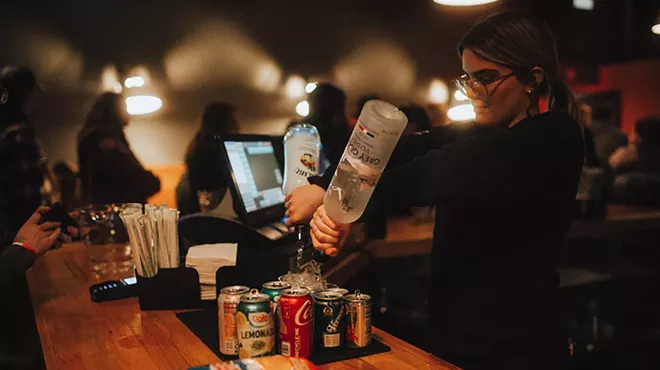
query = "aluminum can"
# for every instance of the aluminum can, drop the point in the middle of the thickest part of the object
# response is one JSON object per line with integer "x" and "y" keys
{"x": 296, "y": 314}
{"x": 255, "y": 326}
{"x": 227, "y": 303}
{"x": 329, "y": 320}
{"x": 339, "y": 290}
{"x": 274, "y": 289}
{"x": 358, "y": 319}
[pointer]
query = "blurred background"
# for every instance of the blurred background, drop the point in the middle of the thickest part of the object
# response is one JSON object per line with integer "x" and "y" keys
{"x": 258, "y": 55}
{"x": 170, "y": 59}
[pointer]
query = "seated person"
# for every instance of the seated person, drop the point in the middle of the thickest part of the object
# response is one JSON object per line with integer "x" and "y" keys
{"x": 19, "y": 342}
{"x": 637, "y": 166}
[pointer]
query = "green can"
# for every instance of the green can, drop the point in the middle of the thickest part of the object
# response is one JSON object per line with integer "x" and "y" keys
{"x": 255, "y": 326}
{"x": 329, "y": 322}
{"x": 273, "y": 289}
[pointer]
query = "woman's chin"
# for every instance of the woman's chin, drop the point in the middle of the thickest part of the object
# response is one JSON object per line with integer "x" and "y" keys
{"x": 484, "y": 118}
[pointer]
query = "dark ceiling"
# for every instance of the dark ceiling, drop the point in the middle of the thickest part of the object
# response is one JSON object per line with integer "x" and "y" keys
{"x": 310, "y": 37}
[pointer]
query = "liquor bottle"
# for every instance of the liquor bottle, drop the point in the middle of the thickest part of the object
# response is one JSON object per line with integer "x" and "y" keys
{"x": 302, "y": 146}
{"x": 369, "y": 149}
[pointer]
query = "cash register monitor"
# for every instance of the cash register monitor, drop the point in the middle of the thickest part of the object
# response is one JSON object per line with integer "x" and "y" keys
{"x": 256, "y": 178}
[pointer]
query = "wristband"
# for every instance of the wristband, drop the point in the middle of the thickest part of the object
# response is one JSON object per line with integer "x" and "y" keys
{"x": 23, "y": 245}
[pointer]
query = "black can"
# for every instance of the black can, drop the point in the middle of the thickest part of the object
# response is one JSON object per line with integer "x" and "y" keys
{"x": 329, "y": 323}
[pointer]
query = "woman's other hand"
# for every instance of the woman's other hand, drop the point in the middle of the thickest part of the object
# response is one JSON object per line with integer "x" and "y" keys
{"x": 301, "y": 204}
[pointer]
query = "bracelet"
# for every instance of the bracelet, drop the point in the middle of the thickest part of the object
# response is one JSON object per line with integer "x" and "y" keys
{"x": 23, "y": 245}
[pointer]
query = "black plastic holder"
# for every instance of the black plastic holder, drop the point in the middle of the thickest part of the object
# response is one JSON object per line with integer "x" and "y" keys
{"x": 170, "y": 289}
{"x": 179, "y": 289}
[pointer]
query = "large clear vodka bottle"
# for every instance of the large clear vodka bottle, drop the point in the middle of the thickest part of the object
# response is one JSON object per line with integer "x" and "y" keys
{"x": 369, "y": 149}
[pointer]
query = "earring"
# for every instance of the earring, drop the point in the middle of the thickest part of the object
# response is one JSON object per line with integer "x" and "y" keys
{"x": 529, "y": 91}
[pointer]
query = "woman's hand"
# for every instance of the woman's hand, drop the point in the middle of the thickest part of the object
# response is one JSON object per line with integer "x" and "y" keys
{"x": 42, "y": 236}
{"x": 302, "y": 202}
{"x": 327, "y": 235}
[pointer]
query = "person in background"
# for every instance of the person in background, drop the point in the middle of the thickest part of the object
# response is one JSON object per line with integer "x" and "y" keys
{"x": 205, "y": 164}
{"x": 327, "y": 105}
{"x": 637, "y": 166}
{"x": 504, "y": 197}
{"x": 109, "y": 171}
{"x": 24, "y": 167}
{"x": 69, "y": 185}
{"x": 362, "y": 100}
{"x": 607, "y": 137}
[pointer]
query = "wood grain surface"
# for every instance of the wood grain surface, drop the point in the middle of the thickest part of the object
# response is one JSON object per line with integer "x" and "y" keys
{"x": 79, "y": 334}
{"x": 406, "y": 236}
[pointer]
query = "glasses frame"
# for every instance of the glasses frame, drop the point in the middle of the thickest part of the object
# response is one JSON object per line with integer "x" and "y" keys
{"x": 464, "y": 82}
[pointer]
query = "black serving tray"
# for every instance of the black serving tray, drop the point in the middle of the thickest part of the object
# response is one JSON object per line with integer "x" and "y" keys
{"x": 204, "y": 324}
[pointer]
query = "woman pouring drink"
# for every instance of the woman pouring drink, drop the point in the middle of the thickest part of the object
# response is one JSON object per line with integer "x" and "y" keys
{"x": 504, "y": 193}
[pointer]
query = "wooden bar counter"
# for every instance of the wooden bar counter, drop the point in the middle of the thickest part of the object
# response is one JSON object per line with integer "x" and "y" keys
{"x": 407, "y": 237}
{"x": 79, "y": 334}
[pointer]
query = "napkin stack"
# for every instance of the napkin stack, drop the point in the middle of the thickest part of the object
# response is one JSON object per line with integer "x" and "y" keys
{"x": 207, "y": 259}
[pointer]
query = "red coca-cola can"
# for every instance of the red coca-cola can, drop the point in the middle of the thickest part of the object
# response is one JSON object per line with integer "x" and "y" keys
{"x": 296, "y": 316}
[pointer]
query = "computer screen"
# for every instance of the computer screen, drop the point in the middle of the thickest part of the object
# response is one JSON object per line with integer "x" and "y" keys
{"x": 256, "y": 172}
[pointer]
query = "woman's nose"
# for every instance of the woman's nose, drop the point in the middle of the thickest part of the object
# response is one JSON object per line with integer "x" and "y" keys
{"x": 471, "y": 94}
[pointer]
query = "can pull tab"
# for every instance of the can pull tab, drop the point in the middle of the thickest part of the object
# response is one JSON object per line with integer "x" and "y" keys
{"x": 254, "y": 291}
{"x": 358, "y": 295}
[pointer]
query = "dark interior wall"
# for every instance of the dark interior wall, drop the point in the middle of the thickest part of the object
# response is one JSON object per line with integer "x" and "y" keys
{"x": 198, "y": 51}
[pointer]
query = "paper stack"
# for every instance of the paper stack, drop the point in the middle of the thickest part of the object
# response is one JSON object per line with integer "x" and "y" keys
{"x": 207, "y": 259}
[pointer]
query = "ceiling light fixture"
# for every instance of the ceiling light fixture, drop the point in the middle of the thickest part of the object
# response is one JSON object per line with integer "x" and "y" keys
{"x": 134, "y": 81}
{"x": 295, "y": 87}
{"x": 583, "y": 4}
{"x": 143, "y": 104}
{"x": 656, "y": 29}
{"x": 463, "y": 2}
{"x": 438, "y": 92}
{"x": 460, "y": 113}
{"x": 303, "y": 108}
{"x": 459, "y": 96}
{"x": 311, "y": 87}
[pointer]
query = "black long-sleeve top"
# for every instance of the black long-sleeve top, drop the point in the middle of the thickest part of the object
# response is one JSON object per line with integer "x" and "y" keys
{"x": 109, "y": 171}
{"x": 504, "y": 200}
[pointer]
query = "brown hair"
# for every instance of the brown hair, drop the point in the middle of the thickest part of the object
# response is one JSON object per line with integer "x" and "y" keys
{"x": 521, "y": 41}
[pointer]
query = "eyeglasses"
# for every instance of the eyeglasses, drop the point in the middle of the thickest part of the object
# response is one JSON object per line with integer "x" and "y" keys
{"x": 477, "y": 85}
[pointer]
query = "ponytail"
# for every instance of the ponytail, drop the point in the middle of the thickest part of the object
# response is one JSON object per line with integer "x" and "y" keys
{"x": 563, "y": 100}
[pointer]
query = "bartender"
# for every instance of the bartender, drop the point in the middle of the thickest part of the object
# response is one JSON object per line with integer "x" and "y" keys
{"x": 504, "y": 194}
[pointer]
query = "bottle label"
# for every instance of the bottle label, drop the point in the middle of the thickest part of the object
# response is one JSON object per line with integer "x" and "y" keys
{"x": 302, "y": 153}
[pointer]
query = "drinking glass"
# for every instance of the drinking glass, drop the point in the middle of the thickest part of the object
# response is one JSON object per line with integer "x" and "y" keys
{"x": 106, "y": 239}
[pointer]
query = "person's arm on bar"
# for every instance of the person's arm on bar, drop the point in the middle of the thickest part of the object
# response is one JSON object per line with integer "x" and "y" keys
{"x": 32, "y": 240}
